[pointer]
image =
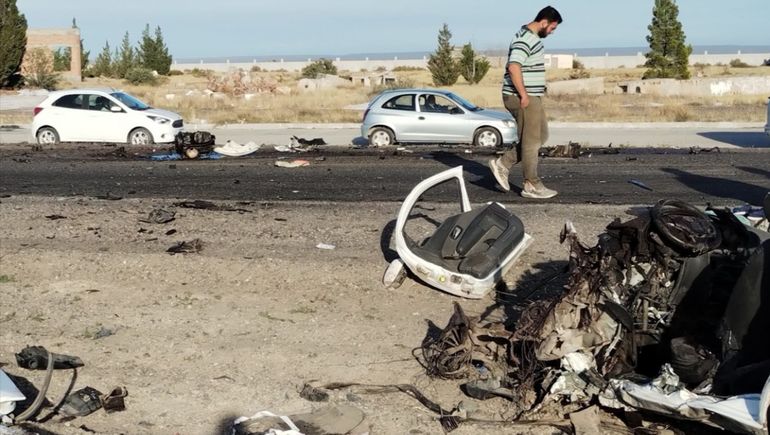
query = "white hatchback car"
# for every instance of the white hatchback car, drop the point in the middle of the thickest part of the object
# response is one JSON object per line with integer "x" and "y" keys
{"x": 102, "y": 115}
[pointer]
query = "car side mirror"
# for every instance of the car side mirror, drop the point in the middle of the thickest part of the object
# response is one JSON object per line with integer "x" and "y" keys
{"x": 455, "y": 111}
{"x": 115, "y": 109}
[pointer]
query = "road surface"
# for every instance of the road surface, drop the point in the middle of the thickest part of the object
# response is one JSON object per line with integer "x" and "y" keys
{"x": 676, "y": 134}
{"x": 632, "y": 176}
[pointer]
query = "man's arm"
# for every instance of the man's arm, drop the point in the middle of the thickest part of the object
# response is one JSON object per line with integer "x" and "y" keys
{"x": 514, "y": 70}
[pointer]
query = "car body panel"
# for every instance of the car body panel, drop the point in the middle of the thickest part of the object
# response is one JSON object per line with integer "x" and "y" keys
{"x": 454, "y": 121}
{"x": 767, "y": 125}
{"x": 98, "y": 115}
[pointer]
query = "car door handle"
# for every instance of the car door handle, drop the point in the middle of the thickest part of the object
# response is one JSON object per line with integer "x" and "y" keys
{"x": 421, "y": 118}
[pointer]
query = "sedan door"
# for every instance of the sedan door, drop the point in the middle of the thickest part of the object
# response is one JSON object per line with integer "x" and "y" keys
{"x": 66, "y": 115}
{"x": 107, "y": 121}
{"x": 399, "y": 114}
{"x": 442, "y": 120}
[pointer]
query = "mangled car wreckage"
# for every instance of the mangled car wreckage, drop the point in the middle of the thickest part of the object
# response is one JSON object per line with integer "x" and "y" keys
{"x": 668, "y": 314}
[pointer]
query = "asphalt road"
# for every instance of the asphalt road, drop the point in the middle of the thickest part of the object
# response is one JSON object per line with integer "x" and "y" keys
{"x": 665, "y": 134}
{"x": 633, "y": 176}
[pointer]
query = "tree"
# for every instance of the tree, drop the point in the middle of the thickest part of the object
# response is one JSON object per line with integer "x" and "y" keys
{"x": 441, "y": 64}
{"x": 62, "y": 59}
{"x": 103, "y": 64}
{"x": 473, "y": 68}
{"x": 38, "y": 70}
{"x": 125, "y": 58}
{"x": 321, "y": 66}
{"x": 669, "y": 55}
{"x": 13, "y": 43}
{"x": 152, "y": 53}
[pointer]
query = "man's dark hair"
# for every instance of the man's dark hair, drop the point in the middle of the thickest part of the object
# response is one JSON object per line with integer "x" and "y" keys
{"x": 549, "y": 13}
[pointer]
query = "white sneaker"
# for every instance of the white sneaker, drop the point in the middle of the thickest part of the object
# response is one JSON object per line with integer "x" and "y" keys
{"x": 537, "y": 191}
{"x": 501, "y": 174}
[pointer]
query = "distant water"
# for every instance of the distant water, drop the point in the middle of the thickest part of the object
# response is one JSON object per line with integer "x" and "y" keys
{"x": 600, "y": 51}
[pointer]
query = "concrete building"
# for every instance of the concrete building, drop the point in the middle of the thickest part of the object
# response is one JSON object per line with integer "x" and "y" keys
{"x": 57, "y": 38}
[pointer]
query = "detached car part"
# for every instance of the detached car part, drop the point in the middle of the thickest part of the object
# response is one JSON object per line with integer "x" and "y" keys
{"x": 468, "y": 253}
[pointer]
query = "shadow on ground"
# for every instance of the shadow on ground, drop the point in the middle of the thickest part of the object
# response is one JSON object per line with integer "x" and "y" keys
{"x": 743, "y": 139}
{"x": 721, "y": 187}
{"x": 482, "y": 176}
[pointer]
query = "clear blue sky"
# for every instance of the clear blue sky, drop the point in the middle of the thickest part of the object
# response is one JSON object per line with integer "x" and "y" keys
{"x": 197, "y": 28}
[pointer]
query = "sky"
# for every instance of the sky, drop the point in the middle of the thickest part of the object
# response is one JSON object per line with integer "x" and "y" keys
{"x": 197, "y": 28}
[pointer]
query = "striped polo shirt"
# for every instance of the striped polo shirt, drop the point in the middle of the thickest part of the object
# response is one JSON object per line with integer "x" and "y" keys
{"x": 526, "y": 50}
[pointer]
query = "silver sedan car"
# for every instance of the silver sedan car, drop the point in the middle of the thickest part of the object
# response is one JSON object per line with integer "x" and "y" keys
{"x": 434, "y": 116}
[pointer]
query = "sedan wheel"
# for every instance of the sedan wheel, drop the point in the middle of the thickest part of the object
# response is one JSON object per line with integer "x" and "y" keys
{"x": 487, "y": 137}
{"x": 380, "y": 137}
{"x": 47, "y": 136}
{"x": 140, "y": 136}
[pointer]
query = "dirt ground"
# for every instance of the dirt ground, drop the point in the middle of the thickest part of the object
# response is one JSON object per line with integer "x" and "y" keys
{"x": 201, "y": 338}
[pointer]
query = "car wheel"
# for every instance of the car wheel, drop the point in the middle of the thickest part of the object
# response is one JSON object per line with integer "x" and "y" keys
{"x": 487, "y": 137}
{"x": 47, "y": 136}
{"x": 140, "y": 136}
{"x": 381, "y": 136}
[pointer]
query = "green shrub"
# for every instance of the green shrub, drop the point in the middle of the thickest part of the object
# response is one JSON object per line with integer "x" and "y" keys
{"x": 737, "y": 63}
{"x": 321, "y": 66}
{"x": 141, "y": 76}
{"x": 38, "y": 69}
{"x": 256, "y": 68}
{"x": 175, "y": 72}
{"x": 198, "y": 73}
{"x": 576, "y": 64}
{"x": 404, "y": 68}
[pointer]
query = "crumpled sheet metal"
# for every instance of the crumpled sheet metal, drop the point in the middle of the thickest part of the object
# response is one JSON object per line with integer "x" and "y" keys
{"x": 738, "y": 413}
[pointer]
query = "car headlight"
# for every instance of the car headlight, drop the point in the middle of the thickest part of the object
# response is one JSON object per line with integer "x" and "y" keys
{"x": 159, "y": 119}
{"x": 509, "y": 123}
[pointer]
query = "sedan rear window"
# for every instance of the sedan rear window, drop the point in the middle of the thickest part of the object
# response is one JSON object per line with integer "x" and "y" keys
{"x": 401, "y": 102}
{"x": 71, "y": 101}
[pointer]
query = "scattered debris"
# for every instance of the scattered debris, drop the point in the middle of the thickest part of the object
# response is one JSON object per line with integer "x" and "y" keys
{"x": 54, "y": 217}
{"x": 468, "y": 253}
{"x": 291, "y": 164}
{"x": 208, "y": 205}
{"x": 202, "y": 142}
{"x": 192, "y": 247}
{"x": 640, "y": 184}
{"x": 572, "y": 150}
{"x": 109, "y": 196}
{"x": 662, "y": 315}
{"x": 36, "y": 358}
{"x": 81, "y": 403}
{"x": 332, "y": 419}
{"x": 234, "y": 149}
{"x": 698, "y": 150}
{"x": 159, "y": 216}
{"x": 313, "y": 394}
{"x": 312, "y": 142}
{"x": 325, "y": 246}
{"x": 114, "y": 401}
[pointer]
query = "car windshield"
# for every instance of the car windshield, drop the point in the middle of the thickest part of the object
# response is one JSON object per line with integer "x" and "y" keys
{"x": 463, "y": 102}
{"x": 130, "y": 101}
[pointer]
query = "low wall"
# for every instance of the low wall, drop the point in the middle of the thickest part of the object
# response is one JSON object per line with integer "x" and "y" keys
{"x": 557, "y": 61}
{"x": 609, "y": 62}
{"x": 755, "y": 85}
{"x": 295, "y": 66}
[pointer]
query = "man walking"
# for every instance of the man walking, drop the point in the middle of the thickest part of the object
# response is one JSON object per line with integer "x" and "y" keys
{"x": 523, "y": 90}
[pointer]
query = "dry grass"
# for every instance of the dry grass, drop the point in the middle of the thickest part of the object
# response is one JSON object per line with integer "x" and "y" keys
{"x": 329, "y": 105}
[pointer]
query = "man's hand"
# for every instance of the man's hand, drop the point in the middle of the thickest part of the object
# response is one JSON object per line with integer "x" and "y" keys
{"x": 524, "y": 101}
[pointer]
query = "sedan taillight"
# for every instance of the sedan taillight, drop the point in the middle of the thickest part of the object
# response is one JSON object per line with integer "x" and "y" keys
{"x": 36, "y": 110}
